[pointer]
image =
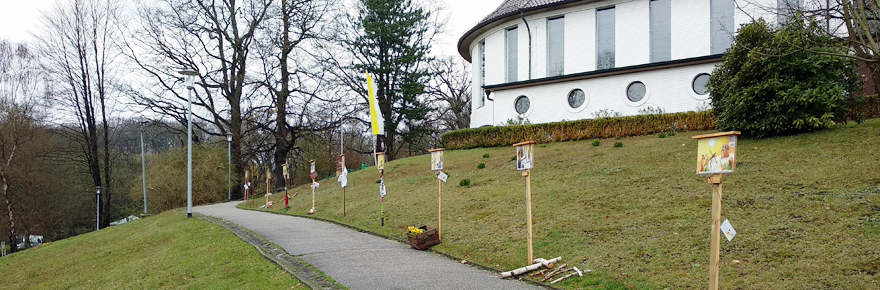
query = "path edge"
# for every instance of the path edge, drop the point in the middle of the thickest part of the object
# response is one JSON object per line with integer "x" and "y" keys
{"x": 298, "y": 268}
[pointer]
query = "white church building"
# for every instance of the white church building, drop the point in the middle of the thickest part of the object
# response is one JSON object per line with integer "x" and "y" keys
{"x": 555, "y": 60}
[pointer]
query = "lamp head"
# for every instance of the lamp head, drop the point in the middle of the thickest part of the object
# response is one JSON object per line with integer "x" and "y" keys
{"x": 229, "y": 137}
{"x": 189, "y": 76}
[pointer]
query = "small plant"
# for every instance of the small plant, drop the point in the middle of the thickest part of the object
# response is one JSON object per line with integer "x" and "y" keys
{"x": 596, "y": 143}
{"x": 652, "y": 111}
{"x": 465, "y": 182}
{"x": 618, "y": 144}
{"x": 670, "y": 134}
{"x": 481, "y": 165}
{"x": 662, "y": 135}
{"x": 513, "y": 158}
{"x": 378, "y": 180}
{"x": 616, "y": 137}
{"x": 605, "y": 113}
{"x": 486, "y": 155}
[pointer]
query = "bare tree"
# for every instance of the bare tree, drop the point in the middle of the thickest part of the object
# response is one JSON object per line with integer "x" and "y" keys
{"x": 451, "y": 90}
{"x": 216, "y": 39}
{"x": 76, "y": 48}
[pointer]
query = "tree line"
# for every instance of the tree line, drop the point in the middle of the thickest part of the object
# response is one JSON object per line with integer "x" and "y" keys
{"x": 284, "y": 78}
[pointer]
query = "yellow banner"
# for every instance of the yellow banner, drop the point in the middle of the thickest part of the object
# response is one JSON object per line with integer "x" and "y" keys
{"x": 376, "y": 119}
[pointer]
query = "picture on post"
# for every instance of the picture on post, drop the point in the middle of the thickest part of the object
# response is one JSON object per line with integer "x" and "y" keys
{"x": 436, "y": 159}
{"x": 716, "y": 155}
{"x": 524, "y": 157}
{"x": 380, "y": 161}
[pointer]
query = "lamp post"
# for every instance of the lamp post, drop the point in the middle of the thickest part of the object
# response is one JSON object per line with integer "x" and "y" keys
{"x": 143, "y": 163}
{"x": 229, "y": 166}
{"x": 97, "y": 208}
{"x": 189, "y": 75}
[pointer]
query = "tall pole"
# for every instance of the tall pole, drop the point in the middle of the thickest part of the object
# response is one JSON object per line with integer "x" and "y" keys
{"x": 97, "y": 208}
{"x": 189, "y": 75}
{"x": 228, "y": 166}
{"x": 529, "y": 210}
{"x": 439, "y": 235}
{"x": 715, "y": 237}
{"x": 143, "y": 168}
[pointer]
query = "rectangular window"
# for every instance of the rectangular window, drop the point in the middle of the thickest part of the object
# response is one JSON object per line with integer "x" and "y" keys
{"x": 721, "y": 15}
{"x": 555, "y": 46}
{"x": 785, "y": 9}
{"x": 661, "y": 30}
{"x": 605, "y": 38}
{"x": 511, "y": 54}
{"x": 482, "y": 94}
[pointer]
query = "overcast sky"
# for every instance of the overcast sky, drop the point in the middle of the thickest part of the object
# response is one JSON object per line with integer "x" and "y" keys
{"x": 19, "y": 18}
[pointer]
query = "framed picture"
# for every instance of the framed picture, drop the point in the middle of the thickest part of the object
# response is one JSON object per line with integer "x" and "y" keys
{"x": 436, "y": 159}
{"x": 380, "y": 161}
{"x": 284, "y": 171}
{"x": 716, "y": 153}
{"x": 524, "y": 155}
{"x": 312, "y": 173}
{"x": 340, "y": 164}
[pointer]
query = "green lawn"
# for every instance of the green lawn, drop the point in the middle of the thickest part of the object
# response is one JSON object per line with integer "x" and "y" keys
{"x": 167, "y": 251}
{"x": 806, "y": 208}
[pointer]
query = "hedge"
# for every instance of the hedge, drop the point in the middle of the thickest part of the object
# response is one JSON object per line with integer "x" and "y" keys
{"x": 578, "y": 130}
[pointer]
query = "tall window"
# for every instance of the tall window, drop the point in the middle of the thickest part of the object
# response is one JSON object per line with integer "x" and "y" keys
{"x": 785, "y": 9}
{"x": 661, "y": 30}
{"x": 721, "y": 13}
{"x": 605, "y": 38}
{"x": 511, "y": 54}
{"x": 482, "y": 94}
{"x": 555, "y": 46}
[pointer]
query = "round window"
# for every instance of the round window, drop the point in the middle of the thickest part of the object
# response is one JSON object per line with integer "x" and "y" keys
{"x": 576, "y": 98}
{"x": 635, "y": 92}
{"x": 522, "y": 104}
{"x": 699, "y": 84}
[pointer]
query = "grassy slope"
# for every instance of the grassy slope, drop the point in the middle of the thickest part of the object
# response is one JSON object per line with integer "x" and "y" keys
{"x": 806, "y": 208}
{"x": 167, "y": 251}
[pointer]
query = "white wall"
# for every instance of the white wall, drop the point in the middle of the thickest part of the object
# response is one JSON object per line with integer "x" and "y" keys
{"x": 669, "y": 89}
{"x": 580, "y": 41}
{"x": 690, "y": 28}
{"x": 632, "y": 37}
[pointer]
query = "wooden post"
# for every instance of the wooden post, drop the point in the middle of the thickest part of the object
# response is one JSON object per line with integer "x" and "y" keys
{"x": 528, "y": 175}
{"x": 439, "y": 236}
{"x": 268, "y": 185}
{"x": 343, "y": 201}
{"x": 715, "y": 237}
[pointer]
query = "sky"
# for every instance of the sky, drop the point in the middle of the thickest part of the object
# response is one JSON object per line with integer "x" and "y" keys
{"x": 19, "y": 18}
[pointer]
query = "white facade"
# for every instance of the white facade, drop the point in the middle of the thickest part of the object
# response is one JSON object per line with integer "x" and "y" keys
{"x": 668, "y": 84}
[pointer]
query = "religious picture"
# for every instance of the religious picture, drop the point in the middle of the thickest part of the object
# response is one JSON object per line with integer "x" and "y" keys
{"x": 285, "y": 173}
{"x": 716, "y": 154}
{"x": 340, "y": 163}
{"x": 436, "y": 159}
{"x": 380, "y": 161}
{"x": 312, "y": 173}
{"x": 524, "y": 156}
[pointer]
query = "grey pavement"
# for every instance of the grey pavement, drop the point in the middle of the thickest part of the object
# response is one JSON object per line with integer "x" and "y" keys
{"x": 359, "y": 260}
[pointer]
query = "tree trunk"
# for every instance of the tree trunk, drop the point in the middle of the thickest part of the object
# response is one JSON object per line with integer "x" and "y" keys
{"x": 12, "y": 246}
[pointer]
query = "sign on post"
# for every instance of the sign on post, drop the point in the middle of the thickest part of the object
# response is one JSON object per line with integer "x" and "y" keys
{"x": 436, "y": 159}
{"x": 524, "y": 159}
{"x": 380, "y": 161}
{"x": 313, "y": 174}
{"x": 716, "y": 155}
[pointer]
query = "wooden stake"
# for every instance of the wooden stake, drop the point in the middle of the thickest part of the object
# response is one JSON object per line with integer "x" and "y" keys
{"x": 313, "y": 194}
{"x": 715, "y": 237}
{"x": 439, "y": 236}
{"x": 343, "y": 201}
{"x": 268, "y": 178}
{"x": 529, "y": 209}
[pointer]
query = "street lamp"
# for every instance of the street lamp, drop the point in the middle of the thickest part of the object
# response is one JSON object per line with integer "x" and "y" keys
{"x": 98, "y": 208}
{"x": 189, "y": 76}
{"x": 143, "y": 162}
{"x": 229, "y": 166}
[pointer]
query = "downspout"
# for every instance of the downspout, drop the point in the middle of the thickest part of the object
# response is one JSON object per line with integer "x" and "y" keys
{"x": 529, "y": 31}
{"x": 493, "y": 105}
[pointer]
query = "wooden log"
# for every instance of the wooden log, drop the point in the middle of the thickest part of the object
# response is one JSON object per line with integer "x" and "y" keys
{"x": 577, "y": 272}
{"x": 520, "y": 271}
{"x": 548, "y": 263}
{"x": 539, "y": 273}
{"x": 556, "y": 271}
{"x": 554, "y": 274}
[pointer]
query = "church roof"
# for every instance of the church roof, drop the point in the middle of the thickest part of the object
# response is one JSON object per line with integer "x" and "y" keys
{"x": 509, "y": 9}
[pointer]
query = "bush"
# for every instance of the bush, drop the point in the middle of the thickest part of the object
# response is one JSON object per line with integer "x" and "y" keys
{"x": 465, "y": 182}
{"x": 662, "y": 135}
{"x": 670, "y": 134}
{"x": 596, "y": 143}
{"x": 578, "y": 130}
{"x": 618, "y": 144}
{"x": 768, "y": 83}
{"x": 481, "y": 165}
{"x": 486, "y": 155}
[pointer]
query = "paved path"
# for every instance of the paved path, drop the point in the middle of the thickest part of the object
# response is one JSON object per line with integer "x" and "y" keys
{"x": 359, "y": 260}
